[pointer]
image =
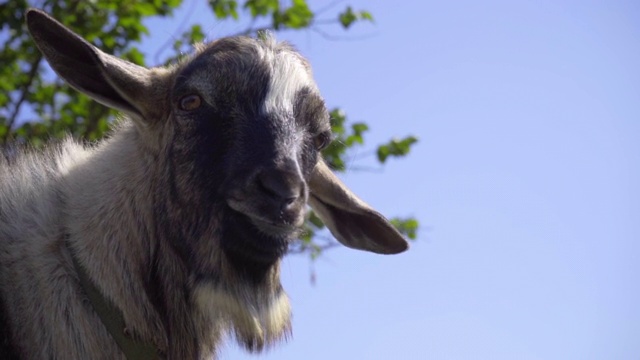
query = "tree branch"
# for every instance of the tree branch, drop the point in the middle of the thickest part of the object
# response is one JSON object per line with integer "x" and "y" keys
{"x": 172, "y": 38}
{"x": 330, "y": 37}
{"x": 301, "y": 248}
{"x": 33, "y": 72}
{"x": 304, "y": 249}
{"x": 370, "y": 169}
{"x": 327, "y": 7}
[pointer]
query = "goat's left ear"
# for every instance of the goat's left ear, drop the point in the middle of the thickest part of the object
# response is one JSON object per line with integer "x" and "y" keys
{"x": 354, "y": 223}
{"x": 110, "y": 80}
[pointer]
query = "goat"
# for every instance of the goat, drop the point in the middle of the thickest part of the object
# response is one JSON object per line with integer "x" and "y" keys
{"x": 180, "y": 218}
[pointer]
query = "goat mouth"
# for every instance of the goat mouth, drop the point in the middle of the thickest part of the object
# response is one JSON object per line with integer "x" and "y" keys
{"x": 277, "y": 224}
{"x": 277, "y": 229}
{"x": 256, "y": 240}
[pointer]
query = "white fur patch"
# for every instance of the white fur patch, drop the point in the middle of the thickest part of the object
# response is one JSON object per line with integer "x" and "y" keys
{"x": 257, "y": 321}
{"x": 288, "y": 76}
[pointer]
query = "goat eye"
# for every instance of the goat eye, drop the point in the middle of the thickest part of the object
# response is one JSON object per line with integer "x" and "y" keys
{"x": 190, "y": 102}
{"x": 321, "y": 141}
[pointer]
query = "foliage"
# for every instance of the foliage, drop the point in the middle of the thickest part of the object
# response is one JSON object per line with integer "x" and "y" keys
{"x": 36, "y": 106}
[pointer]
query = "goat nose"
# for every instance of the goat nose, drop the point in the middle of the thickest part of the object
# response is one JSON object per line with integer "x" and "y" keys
{"x": 282, "y": 186}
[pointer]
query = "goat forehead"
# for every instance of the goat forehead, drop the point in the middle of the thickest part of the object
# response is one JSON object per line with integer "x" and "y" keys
{"x": 247, "y": 64}
{"x": 288, "y": 77}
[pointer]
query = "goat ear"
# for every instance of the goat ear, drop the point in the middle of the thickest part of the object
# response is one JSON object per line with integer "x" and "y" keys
{"x": 111, "y": 81}
{"x": 354, "y": 223}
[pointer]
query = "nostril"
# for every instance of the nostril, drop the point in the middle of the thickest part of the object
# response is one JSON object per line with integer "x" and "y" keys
{"x": 289, "y": 202}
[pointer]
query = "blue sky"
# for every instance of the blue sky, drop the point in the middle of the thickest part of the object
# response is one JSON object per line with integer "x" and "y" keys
{"x": 525, "y": 182}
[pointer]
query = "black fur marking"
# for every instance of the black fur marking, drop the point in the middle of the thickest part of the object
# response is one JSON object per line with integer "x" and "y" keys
{"x": 7, "y": 350}
{"x": 250, "y": 251}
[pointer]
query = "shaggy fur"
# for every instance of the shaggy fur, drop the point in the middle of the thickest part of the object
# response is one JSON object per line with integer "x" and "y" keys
{"x": 182, "y": 215}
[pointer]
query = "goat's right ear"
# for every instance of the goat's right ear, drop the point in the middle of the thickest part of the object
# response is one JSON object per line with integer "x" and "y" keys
{"x": 354, "y": 223}
{"x": 111, "y": 81}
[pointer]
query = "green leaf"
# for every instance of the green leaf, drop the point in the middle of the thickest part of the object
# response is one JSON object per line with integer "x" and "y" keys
{"x": 407, "y": 227}
{"x": 347, "y": 17}
{"x": 338, "y": 118}
{"x": 316, "y": 251}
{"x": 383, "y": 153}
{"x": 365, "y": 15}
{"x": 356, "y": 137}
{"x": 146, "y": 9}
{"x": 306, "y": 236}
{"x": 196, "y": 35}
{"x": 396, "y": 148}
{"x": 224, "y": 8}
{"x": 262, "y": 7}
{"x": 297, "y": 16}
{"x": 360, "y": 128}
{"x": 315, "y": 220}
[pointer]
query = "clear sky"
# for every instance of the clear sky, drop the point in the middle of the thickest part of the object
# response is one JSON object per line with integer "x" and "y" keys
{"x": 525, "y": 182}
